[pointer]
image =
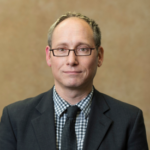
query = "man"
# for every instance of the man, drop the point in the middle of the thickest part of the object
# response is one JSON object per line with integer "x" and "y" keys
{"x": 99, "y": 122}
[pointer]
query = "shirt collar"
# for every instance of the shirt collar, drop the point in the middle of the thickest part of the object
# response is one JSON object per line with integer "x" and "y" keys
{"x": 60, "y": 105}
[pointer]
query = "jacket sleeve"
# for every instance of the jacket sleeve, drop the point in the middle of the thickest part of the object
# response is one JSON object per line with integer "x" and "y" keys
{"x": 7, "y": 136}
{"x": 137, "y": 139}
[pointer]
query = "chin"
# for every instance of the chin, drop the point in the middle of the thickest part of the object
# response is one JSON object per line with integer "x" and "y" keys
{"x": 72, "y": 85}
{"x": 76, "y": 85}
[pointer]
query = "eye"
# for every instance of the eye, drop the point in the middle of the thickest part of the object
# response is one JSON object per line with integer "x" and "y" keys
{"x": 83, "y": 49}
{"x": 61, "y": 49}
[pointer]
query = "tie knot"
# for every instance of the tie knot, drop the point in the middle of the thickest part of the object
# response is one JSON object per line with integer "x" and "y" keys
{"x": 72, "y": 111}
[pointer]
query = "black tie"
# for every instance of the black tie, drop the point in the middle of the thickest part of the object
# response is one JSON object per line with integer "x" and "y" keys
{"x": 68, "y": 140}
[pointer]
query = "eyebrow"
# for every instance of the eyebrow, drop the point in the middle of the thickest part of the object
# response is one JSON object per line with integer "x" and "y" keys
{"x": 78, "y": 44}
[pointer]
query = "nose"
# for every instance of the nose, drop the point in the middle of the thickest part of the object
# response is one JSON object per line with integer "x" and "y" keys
{"x": 72, "y": 59}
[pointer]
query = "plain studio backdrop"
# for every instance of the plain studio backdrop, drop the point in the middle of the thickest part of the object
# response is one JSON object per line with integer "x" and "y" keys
{"x": 125, "y": 27}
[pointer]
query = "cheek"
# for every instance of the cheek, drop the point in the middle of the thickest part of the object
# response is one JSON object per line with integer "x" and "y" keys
{"x": 91, "y": 66}
{"x": 56, "y": 64}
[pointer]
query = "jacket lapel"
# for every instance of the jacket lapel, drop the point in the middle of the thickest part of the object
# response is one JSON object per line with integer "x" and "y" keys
{"x": 44, "y": 126}
{"x": 98, "y": 124}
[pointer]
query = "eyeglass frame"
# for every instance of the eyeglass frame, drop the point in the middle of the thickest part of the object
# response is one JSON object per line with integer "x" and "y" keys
{"x": 69, "y": 52}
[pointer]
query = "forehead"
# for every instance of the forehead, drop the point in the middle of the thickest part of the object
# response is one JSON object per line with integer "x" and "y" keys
{"x": 71, "y": 30}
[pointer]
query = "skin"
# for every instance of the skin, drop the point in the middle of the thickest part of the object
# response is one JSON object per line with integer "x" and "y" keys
{"x": 73, "y": 75}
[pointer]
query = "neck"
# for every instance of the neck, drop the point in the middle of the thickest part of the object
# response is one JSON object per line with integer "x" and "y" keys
{"x": 73, "y": 95}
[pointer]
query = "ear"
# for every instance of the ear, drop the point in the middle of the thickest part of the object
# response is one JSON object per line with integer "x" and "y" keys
{"x": 100, "y": 56}
{"x": 48, "y": 56}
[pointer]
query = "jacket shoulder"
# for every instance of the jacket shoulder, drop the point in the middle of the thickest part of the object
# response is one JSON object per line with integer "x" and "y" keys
{"x": 115, "y": 103}
{"x": 117, "y": 108}
{"x": 122, "y": 112}
{"x": 26, "y": 106}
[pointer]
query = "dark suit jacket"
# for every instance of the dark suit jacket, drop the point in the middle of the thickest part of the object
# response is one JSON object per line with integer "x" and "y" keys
{"x": 113, "y": 125}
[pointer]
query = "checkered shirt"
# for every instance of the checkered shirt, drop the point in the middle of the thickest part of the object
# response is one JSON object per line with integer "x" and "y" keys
{"x": 60, "y": 105}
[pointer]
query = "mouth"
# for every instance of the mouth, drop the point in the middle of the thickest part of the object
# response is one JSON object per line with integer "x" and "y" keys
{"x": 72, "y": 72}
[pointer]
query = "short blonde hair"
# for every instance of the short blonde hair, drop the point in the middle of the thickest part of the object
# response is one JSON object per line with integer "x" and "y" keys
{"x": 92, "y": 23}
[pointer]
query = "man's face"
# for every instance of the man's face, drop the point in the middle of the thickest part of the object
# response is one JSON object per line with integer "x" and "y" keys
{"x": 74, "y": 71}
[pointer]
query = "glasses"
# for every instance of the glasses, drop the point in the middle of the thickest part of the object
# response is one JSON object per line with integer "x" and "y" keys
{"x": 61, "y": 52}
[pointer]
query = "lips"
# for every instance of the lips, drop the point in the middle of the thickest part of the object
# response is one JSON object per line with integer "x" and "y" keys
{"x": 72, "y": 72}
